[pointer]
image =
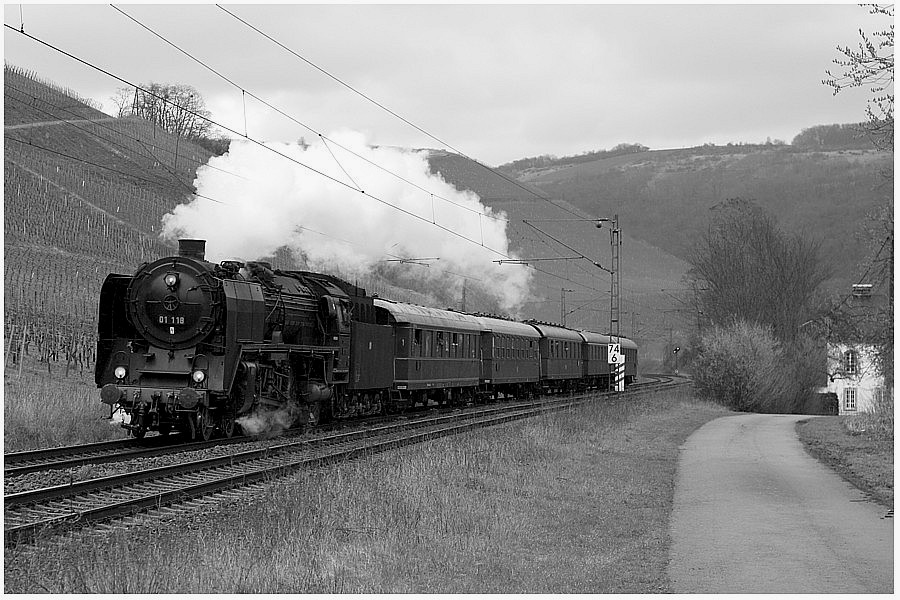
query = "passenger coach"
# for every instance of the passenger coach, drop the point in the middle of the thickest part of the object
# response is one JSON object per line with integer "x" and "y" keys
{"x": 560, "y": 350}
{"x": 435, "y": 353}
{"x": 510, "y": 358}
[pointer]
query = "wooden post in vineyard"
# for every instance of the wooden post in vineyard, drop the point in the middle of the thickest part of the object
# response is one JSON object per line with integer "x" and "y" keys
{"x": 22, "y": 349}
{"x": 9, "y": 344}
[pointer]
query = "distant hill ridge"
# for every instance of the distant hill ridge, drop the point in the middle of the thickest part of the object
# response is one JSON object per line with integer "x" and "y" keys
{"x": 823, "y": 183}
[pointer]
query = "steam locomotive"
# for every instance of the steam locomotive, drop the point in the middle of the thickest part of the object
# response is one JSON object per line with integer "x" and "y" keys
{"x": 188, "y": 345}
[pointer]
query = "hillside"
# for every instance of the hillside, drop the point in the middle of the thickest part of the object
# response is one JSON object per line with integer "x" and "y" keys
{"x": 664, "y": 197}
{"x": 645, "y": 269}
{"x": 84, "y": 194}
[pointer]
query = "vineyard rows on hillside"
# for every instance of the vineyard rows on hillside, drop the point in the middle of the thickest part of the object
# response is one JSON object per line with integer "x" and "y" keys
{"x": 47, "y": 91}
{"x": 82, "y": 198}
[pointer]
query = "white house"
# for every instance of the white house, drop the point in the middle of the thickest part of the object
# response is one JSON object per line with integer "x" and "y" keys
{"x": 852, "y": 377}
{"x": 852, "y": 374}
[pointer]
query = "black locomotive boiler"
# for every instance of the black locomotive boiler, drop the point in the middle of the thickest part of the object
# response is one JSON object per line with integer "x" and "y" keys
{"x": 188, "y": 345}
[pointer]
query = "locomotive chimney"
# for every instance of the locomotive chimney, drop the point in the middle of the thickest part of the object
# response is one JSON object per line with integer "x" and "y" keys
{"x": 195, "y": 249}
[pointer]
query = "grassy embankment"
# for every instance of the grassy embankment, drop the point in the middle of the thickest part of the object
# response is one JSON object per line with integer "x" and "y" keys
{"x": 41, "y": 411}
{"x": 577, "y": 501}
{"x": 860, "y": 448}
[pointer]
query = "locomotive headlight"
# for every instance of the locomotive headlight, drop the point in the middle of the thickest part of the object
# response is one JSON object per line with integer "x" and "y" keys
{"x": 198, "y": 376}
{"x": 120, "y": 372}
{"x": 171, "y": 279}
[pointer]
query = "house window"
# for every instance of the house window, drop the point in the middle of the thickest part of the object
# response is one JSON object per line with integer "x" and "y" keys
{"x": 850, "y": 399}
{"x": 850, "y": 361}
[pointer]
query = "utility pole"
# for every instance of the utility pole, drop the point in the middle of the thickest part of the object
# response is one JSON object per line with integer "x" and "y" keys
{"x": 615, "y": 241}
{"x": 562, "y": 305}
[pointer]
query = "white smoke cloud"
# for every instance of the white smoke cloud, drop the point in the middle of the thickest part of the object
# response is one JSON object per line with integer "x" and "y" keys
{"x": 268, "y": 423}
{"x": 252, "y": 201}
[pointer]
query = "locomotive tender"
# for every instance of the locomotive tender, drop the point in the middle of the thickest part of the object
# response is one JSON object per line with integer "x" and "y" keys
{"x": 188, "y": 345}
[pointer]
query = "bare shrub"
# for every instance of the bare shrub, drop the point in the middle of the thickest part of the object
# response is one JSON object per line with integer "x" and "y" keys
{"x": 735, "y": 366}
{"x": 744, "y": 367}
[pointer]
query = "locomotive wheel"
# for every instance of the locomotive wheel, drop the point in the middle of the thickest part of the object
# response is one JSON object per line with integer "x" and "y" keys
{"x": 139, "y": 433}
{"x": 165, "y": 429}
{"x": 205, "y": 425}
{"x": 315, "y": 414}
{"x": 228, "y": 425}
{"x": 191, "y": 428}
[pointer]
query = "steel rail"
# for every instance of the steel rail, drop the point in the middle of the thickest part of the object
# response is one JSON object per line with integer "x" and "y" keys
{"x": 76, "y": 514}
{"x": 73, "y": 503}
{"x": 64, "y": 457}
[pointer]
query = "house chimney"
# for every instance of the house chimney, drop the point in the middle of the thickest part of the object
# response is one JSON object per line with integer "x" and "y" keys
{"x": 195, "y": 249}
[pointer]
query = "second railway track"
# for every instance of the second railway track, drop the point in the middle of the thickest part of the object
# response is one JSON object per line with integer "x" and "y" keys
{"x": 49, "y": 510}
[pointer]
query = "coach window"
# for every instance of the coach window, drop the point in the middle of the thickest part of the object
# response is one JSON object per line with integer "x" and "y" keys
{"x": 428, "y": 350}
{"x": 416, "y": 343}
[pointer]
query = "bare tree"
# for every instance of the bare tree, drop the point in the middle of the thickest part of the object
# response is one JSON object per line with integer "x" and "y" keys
{"x": 746, "y": 268}
{"x": 123, "y": 99}
{"x": 177, "y": 108}
{"x": 871, "y": 64}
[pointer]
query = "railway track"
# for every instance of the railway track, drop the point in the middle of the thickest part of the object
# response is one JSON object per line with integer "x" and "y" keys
{"x": 66, "y": 457}
{"x": 38, "y": 513}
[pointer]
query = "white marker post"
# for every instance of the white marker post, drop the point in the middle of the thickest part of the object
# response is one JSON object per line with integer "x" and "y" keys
{"x": 617, "y": 365}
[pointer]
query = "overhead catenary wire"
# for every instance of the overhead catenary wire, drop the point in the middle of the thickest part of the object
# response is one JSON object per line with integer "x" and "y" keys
{"x": 388, "y": 110}
{"x": 142, "y": 143}
{"x": 408, "y": 122}
{"x": 300, "y": 163}
{"x": 93, "y": 164}
{"x": 420, "y": 129}
{"x": 136, "y": 177}
{"x": 261, "y": 144}
{"x": 245, "y": 92}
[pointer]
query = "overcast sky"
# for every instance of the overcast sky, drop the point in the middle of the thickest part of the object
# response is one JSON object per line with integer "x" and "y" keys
{"x": 496, "y": 82}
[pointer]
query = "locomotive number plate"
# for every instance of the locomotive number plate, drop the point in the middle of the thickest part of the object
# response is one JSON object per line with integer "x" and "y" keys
{"x": 170, "y": 320}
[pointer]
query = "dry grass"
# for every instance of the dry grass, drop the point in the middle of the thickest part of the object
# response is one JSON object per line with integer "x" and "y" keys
{"x": 877, "y": 424}
{"x": 41, "y": 412}
{"x": 859, "y": 448}
{"x": 574, "y": 502}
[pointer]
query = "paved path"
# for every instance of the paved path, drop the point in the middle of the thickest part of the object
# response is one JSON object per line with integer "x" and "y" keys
{"x": 754, "y": 513}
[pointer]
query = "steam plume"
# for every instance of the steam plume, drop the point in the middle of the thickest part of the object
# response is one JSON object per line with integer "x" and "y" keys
{"x": 262, "y": 201}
